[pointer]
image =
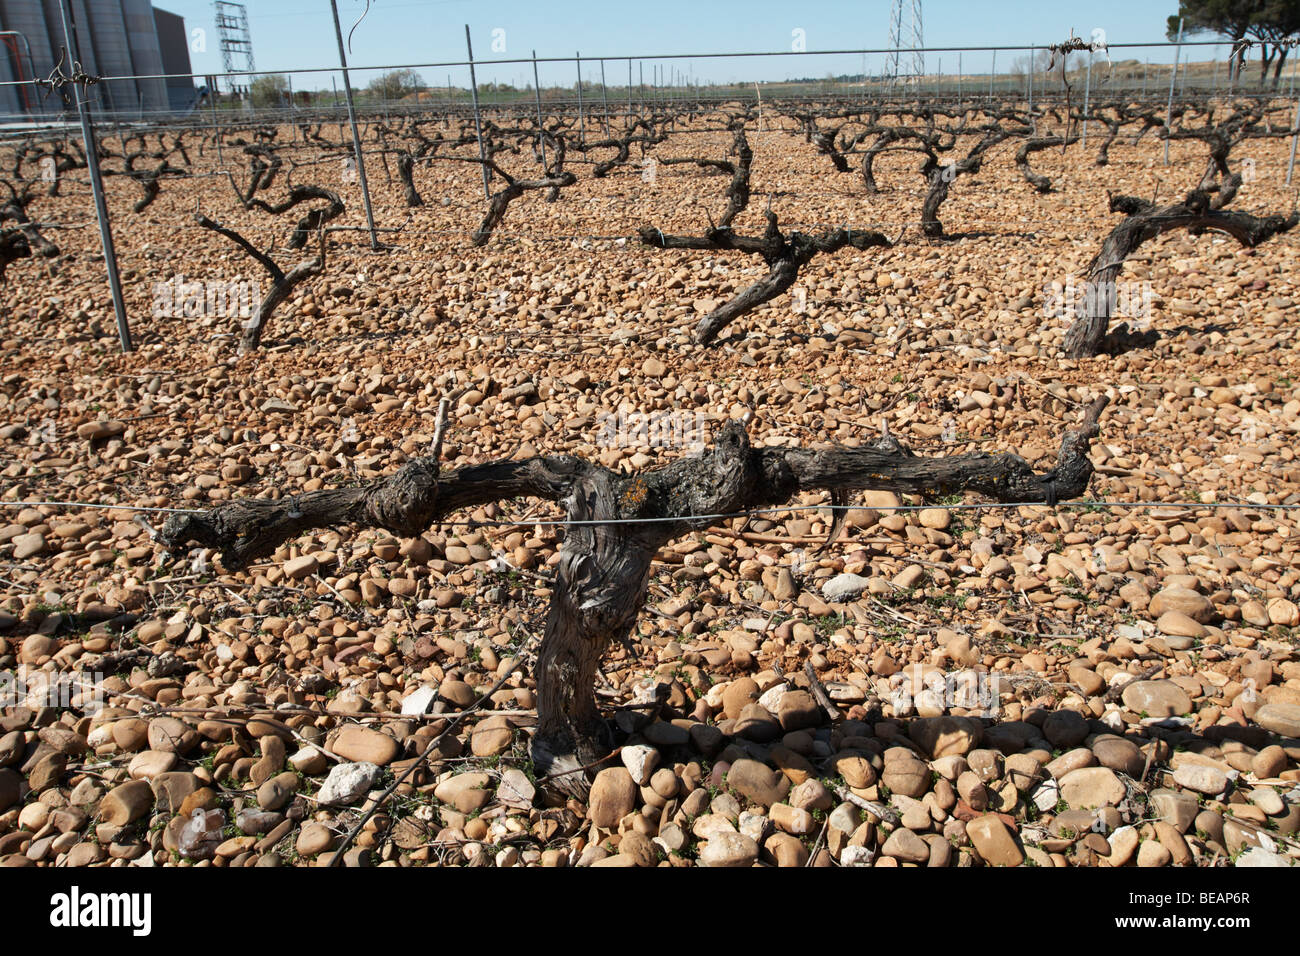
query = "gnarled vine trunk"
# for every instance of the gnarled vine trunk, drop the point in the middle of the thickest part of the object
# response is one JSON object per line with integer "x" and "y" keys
{"x": 603, "y": 573}
{"x": 1145, "y": 220}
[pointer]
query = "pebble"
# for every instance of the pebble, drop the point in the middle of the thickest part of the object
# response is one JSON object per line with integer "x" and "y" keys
{"x": 491, "y": 736}
{"x": 1210, "y": 781}
{"x": 1152, "y": 853}
{"x": 271, "y": 673}
{"x": 346, "y": 784}
{"x": 1123, "y": 843}
{"x": 516, "y": 790}
{"x": 1119, "y": 754}
{"x": 844, "y": 587}
{"x": 126, "y": 802}
{"x": 1090, "y": 787}
{"x": 313, "y": 839}
{"x": 757, "y": 782}
{"x": 729, "y": 849}
{"x": 905, "y": 845}
{"x": 907, "y": 775}
{"x": 1258, "y": 856}
{"x": 1065, "y": 728}
{"x": 613, "y": 796}
{"x": 994, "y": 840}
{"x": 1157, "y": 698}
{"x": 1280, "y": 718}
{"x": 1174, "y": 807}
{"x": 28, "y": 546}
{"x": 640, "y": 761}
{"x": 276, "y": 792}
{"x": 467, "y": 792}
{"x": 945, "y": 736}
{"x": 1184, "y": 601}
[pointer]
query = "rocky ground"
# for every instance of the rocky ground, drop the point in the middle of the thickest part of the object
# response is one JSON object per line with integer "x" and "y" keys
{"x": 1079, "y": 686}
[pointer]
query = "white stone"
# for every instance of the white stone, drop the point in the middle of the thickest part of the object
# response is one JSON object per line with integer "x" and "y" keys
{"x": 754, "y": 825}
{"x": 641, "y": 761}
{"x": 1046, "y": 796}
{"x": 1258, "y": 856}
{"x": 771, "y": 698}
{"x": 729, "y": 849}
{"x": 515, "y": 789}
{"x": 855, "y": 856}
{"x": 843, "y": 587}
{"x": 417, "y": 702}
{"x": 1210, "y": 781}
{"x": 346, "y": 784}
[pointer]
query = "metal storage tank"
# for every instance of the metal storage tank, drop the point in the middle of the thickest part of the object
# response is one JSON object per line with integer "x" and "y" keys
{"x": 28, "y": 18}
{"x": 103, "y": 29}
{"x": 174, "y": 45}
{"x": 116, "y": 38}
{"x": 142, "y": 40}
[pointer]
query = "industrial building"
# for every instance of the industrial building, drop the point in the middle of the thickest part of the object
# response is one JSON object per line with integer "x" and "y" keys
{"x": 116, "y": 37}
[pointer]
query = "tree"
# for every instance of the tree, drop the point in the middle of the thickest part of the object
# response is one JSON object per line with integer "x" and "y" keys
{"x": 396, "y": 84}
{"x": 1038, "y": 63}
{"x": 1228, "y": 18}
{"x": 269, "y": 91}
{"x": 1274, "y": 25}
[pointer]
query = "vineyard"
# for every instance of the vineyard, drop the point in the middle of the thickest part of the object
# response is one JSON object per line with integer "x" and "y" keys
{"x": 817, "y": 480}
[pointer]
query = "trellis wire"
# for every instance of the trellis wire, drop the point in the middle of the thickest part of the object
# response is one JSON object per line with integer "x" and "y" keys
{"x": 791, "y": 509}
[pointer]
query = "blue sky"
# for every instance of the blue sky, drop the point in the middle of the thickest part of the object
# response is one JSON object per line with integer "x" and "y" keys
{"x": 299, "y": 35}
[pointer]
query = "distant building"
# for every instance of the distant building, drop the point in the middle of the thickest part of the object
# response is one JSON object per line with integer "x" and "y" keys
{"x": 117, "y": 38}
{"x": 173, "y": 43}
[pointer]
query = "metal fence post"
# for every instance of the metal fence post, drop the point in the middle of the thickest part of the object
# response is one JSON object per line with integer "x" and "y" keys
{"x": 582, "y": 128}
{"x": 537, "y": 95}
{"x": 1295, "y": 133}
{"x": 1032, "y": 56}
{"x": 356, "y": 136}
{"x": 96, "y": 182}
{"x": 478, "y": 123}
{"x": 216, "y": 129}
{"x": 1087, "y": 93}
{"x": 604, "y": 96}
{"x": 1169, "y": 109}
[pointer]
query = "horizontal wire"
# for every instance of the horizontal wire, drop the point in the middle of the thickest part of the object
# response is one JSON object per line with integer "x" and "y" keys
{"x": 959, "y": 506}
{"x": 483, "y": 64}
{"x": 93, "y": 504}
